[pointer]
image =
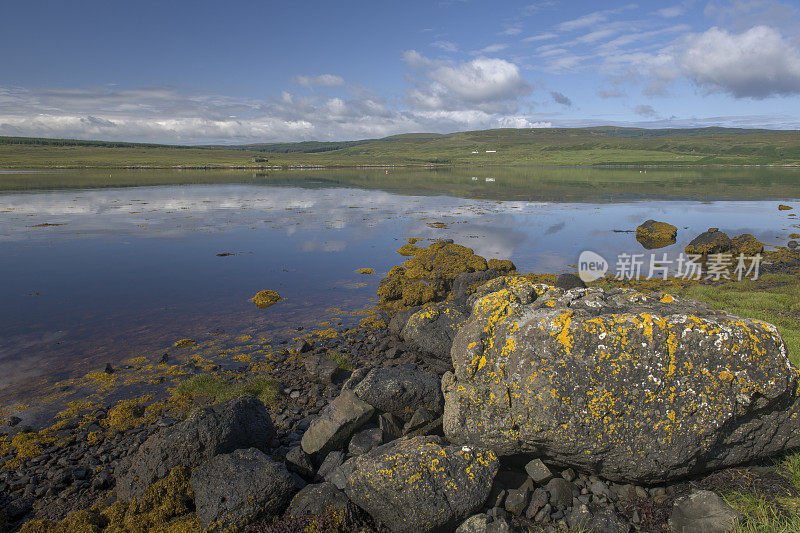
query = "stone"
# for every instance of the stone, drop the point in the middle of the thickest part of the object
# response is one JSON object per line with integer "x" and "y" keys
{"x": 421, "y": 484}
{"x": 431, "y": 329}
{"x": 317, "y": 499}
{"x": 421, "y": 418}
{"x": 635, "y": 387}
{"x": 465, "y": 284}
{"x": 703, "y": 511}
{"x": 300, "y": 462}
{"x": 401, "y": 390}
{"x": 302, "y": 346}
{"x": 400, "y": 319}
{"x": 746, "y": 244}
{"x": 568, "y": 474}
{"x": 320, "y": 369}
{"x": 560, "y": 491}
{"x": 231, "y": 490}
{"x": 365, "y": 440}
{"x": 652, "y": 234}
{"x": 391, "y": 426}
{"x": 474, "y": 524}
{"x": 539, "y": 499}
{"x": 336, "y": 423}
{"x": 709, "y": 242}
{"x": 569, "y": 281}
{"x": 517, "y": 501}
{"x": 331, "y": 462}
{"x": 238, "y": 423}
{"x": 538, "y": 471}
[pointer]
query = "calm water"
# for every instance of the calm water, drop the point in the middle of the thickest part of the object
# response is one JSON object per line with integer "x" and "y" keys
{"x": 93, "y": 271}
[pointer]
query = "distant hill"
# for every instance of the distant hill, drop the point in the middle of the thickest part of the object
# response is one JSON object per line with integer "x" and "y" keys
{"x": 604, "y": 145}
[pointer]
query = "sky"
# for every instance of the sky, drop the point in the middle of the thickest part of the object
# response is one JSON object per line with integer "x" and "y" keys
{"x": 201, "y": 72}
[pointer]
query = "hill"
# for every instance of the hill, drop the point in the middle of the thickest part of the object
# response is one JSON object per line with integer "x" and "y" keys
{"x": 546, "y": 146}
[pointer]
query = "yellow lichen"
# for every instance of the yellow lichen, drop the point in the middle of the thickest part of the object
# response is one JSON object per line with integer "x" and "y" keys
{"x": 365, "y": 271}
{"x": 266, "y": 298}
{"x": 184, "y": 342}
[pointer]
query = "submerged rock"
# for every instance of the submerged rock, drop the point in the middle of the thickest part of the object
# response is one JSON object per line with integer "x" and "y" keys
{"x": 233, "y": 489}
{"x": 653, "y": 234}
{"x": 634, "y": 387}
{"x": 238, "y": 423}
{"x": 420, "y": 484}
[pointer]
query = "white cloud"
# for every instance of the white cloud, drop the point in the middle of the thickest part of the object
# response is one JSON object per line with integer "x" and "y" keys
{"x": 447, "y": 46}
{"x": 671, "y": 12}
{"x": 323, "y": 80}
{"x": 584, "y": 22}
{"x": 486, "y": 84}
{"x": 756, "y": 63}
{"x": 493, "y": 48}
{"x": 540, "y": 37}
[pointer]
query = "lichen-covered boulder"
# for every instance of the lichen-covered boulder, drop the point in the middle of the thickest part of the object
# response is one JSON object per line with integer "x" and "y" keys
{"x": 431, "y": 330}
{"x": 654, "y": 234}
{"x": 238, "y": 423}
{"x": 421, "y": 484}
{"x": 712, "y": 241}
{"x": 634, "y": 387}
{"x": 747, "y": 244}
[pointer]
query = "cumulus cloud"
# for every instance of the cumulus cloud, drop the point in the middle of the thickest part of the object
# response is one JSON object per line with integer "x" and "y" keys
{"x": 323, "y": 80}
{"x": 484, "y": 84}
{"x": 560, "y": 98}
{"x": 756, "y": 63}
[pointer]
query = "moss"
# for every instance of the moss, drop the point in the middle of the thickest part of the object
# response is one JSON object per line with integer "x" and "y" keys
{"x": 365, "y": 271}
{"x": 417, "y": 293}
{"x": 184, "y": 342}
{"x": 218, "y": 390}
{"x": 342, "y": 360}
{"x": 501, "y": 265}
{"x": 266, "y": 298}
{"x": 746, "y": 244}
{"x": 654, "y": 234}
{"x": 409, "y": 250}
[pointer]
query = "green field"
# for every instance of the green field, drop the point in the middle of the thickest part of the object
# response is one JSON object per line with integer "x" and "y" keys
{"x": 556, "y": 146}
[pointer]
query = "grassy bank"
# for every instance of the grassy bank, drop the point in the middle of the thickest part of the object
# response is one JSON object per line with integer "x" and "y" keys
{"x": 548, "y": 146}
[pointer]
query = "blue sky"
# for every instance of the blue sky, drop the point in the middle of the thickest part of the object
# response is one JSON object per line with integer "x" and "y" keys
{"x": 247, "y": 71}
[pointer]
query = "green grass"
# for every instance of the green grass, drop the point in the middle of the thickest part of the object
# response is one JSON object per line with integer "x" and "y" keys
{"x": 219, "y": 390}
{"x": 762, "y": 516}
{"x": 342, "y": 360}
{"x": 546, "y": 146}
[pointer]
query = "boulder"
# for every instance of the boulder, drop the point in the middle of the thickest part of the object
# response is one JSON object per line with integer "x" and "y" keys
{"x": 631, "y": 386}
{"x": 238, "y": 423}
{"x": 703, "y": 511}
{"x": 300, "y": 462}
{"x": 400, "y": 319}
{"x": 320, "y": 369}
{"x": 653, "y": 234}
{"x": 401, "y": 390}
{"x": 365, "y": 440}
{"x": 709, "y": 242}
{"x": 421, "y": 484}
{"x": 569, "y": 281}
{"x": 233, "y": 489}
{"x": 317, "y": 499}
{"x": 746, "y": 244}
{"x": 465, "y": 283}
{"x": 336, "y": 423}
{"x": 431, "y": 330}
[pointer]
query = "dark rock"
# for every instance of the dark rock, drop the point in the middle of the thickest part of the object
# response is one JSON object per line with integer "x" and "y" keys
{"x": 391, "y": 426}
{"x": 332, "y": 461}
{"x": 517, "y": 501}
{"x": 400, "y": 318}
{"x": 336, "y": 423}
{"x": 568, "y": 281}
{"x": 320, "y": 369}
{"x": 420, "y": 484}
{"x": 421, "y": 418}
{"x": 317, "y": 499}
{"x": 568, "y": 474}
{"x": 538, "y": 471}
{"x": 431, "y": 329}
{"x": 652, "y": 234}
{"x": 238, "y": 423}
{"x": 792, "y": 244}
{"x": 401, "y": 390}
{"x": 231, "y": 490}
{"x": 13, "y": 421}
{"x": 556, "y": 369}
{"x": 302, "y": 346}
{"x": 703, "y": 511}
{"x": 300, "y": 462}
{"x": 365, "y": 440}
{"x": 465, "y": 284}
{"x": 560, "y": 491}
{"x": 474, "y": 524}
{"x": 539, "y": 499}
{"x": 709, "y": 242}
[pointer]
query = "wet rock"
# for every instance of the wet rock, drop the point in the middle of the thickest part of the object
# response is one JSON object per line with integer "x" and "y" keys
{"x": 401, "y": 390}
{"x": 231, "y": 490}
{"x": 320, "y": 369}
{"x": 336, "y": 423}
{"x": 431, "y": 330}
{"x": 317, "y": 499}
{"x": 421, "y": 484}
{"x": 652, "y": 234}
{"x": 266, "y": 298}
{"x": 703, "y": 512}
{"x": 238, "y": 423}
{"x": 554, "y": 377}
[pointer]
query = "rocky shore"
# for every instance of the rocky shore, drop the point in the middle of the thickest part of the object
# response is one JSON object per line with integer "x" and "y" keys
{"x": 478, "y": 400}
